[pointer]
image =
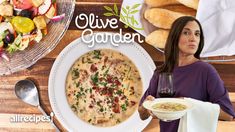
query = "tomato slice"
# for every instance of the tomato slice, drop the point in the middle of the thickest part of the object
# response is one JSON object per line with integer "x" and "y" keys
{"x": 22, "y": 4}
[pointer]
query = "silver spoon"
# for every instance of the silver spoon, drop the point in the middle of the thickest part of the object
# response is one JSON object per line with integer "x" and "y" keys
{"x": 27, "y": 91}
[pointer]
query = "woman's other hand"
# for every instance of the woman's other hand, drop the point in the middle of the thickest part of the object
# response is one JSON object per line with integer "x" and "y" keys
{"x": 149, "y": 98}
{"x": 144, "y": 113}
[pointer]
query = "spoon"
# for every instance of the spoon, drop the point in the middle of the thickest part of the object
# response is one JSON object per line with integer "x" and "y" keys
{"x": 27, "y": 91}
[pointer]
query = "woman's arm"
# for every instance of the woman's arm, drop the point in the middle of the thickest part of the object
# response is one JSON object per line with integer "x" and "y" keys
{"x": 218, "y": 94}
{"x": 224, "y": 116}
{"x": 144, "y": 114}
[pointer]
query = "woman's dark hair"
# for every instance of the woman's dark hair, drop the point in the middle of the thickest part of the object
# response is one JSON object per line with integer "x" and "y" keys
{"x": 172, "y": 49}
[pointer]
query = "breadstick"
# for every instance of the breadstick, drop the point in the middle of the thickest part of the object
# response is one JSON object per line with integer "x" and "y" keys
{"x": 182, "y": 9}
{"x": 157, "y": 38}
{"x": 161, "y": 18}
{"x": 159, "y": 3}
{"x": 190, "y": 3}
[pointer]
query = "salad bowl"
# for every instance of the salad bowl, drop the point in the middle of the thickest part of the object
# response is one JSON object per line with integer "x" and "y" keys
{"x": 13, "y": 60}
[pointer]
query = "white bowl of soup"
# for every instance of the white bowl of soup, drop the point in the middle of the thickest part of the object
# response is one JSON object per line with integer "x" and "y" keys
{"x": 168, "y": 109}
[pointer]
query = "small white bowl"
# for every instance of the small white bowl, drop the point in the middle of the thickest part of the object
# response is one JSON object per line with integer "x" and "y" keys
{"x": 168, "y": 115}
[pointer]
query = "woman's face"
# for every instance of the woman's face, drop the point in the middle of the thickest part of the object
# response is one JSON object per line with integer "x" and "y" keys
{"x": 189, "y": 39}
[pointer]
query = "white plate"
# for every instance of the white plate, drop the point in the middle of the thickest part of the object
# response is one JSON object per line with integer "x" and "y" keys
{"x": 168, "y": 115}
{"x": 59, "y": 72}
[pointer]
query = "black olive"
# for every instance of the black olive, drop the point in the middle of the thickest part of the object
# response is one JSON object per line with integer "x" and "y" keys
{"x": 5, "y": 44}
{"x": 9, "y": 38}
{"x": 16, "y": 12}
{"x": 34, "y": 31}
{"x": 26, "y": 13}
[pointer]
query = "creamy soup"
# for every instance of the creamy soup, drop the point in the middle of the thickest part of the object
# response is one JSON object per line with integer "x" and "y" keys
{"x": 169, "y": 106}
{"x": 103, "y": 87}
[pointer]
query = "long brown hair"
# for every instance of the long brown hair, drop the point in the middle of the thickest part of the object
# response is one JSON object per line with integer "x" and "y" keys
{"x": 172, "y": 49}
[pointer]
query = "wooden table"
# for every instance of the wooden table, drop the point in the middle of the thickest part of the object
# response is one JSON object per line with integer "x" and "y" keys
{"x": 39, "y": 72}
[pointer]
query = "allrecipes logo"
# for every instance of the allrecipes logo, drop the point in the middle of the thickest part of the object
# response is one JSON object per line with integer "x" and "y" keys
{"x": 127, "y": 16}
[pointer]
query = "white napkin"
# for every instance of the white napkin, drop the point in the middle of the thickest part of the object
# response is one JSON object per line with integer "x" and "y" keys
{"x": 202, "y": 118}
{"x": 218, "y": 22}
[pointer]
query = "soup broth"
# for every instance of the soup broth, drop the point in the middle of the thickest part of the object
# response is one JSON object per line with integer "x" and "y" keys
{"x": 103, "y": 87}
{"x": 169, "y": 106}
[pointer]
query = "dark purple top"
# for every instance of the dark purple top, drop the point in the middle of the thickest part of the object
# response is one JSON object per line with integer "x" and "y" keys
{"x": 200, "y": 81}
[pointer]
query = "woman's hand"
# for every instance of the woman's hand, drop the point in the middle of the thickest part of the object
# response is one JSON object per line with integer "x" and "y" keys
{"x": 144, "y": 113}
{"x": 150, "y": 98}
{"x": 225, "y": 116}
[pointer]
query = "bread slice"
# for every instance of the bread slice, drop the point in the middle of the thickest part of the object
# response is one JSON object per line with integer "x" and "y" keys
{"x": 6, "y": 9}
{"x": 190, "y": 3}
{"x": 162, "y": 18}
{"x": 160, "y": 3}
{"x": 157, "y": 38}
{"x": 40, "y": 22}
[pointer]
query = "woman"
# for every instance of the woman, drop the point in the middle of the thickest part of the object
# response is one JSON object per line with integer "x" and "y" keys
{"x": 192, "y": 78}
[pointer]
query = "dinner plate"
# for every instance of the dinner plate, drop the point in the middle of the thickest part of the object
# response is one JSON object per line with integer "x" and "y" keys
{"x": 58, "y": 74}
